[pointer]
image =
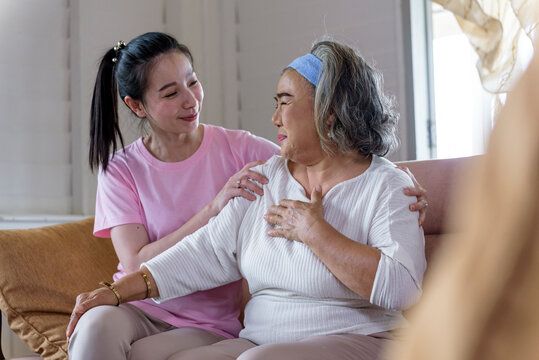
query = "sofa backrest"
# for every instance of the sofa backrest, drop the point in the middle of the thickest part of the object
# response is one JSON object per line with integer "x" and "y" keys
{"x": 438, "y": 177}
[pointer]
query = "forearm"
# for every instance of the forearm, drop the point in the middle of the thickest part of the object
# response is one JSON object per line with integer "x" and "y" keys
{"x": 204, "y": 260}
{"x": 134, "y": 287}
{"x": 354, "y": 264}
{"x": 132, "y": 259}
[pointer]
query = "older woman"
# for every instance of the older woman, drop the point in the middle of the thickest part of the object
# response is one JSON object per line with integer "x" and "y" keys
{"x": 331, "y": 252}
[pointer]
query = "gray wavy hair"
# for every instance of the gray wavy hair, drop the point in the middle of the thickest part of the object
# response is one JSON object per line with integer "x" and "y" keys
{"x": 351, "y": 90}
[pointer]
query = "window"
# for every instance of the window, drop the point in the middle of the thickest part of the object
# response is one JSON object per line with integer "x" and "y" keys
{"x": 464, "y": 111}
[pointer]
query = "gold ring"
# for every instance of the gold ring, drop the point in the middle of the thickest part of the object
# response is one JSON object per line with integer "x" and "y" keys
{"x": 426, "y": 204}
{"x": 238, "y": 183}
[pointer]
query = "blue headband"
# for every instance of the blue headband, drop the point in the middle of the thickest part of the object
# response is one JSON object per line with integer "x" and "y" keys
{"x": 309, "y": 66}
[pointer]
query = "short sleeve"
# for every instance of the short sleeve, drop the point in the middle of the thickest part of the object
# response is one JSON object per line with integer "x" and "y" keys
{"x": 117, "y": 200}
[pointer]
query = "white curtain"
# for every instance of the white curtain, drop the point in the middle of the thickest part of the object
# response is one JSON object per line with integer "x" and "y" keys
{"x": 496, "y": 30}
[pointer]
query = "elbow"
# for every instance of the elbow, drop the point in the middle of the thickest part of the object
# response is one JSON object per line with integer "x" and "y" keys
{"x": 132, "y": 261}
{"x": 395, "y": 289}
{"x": 131, "y": 265}
{"x": 130, "y": 269}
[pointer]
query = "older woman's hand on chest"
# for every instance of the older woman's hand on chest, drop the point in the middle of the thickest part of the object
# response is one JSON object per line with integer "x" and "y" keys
{"x": 354, "y": 264}
{"x": 297, "y": 220}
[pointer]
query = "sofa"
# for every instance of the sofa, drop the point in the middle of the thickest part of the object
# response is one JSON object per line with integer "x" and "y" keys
{"x": 43, "y": 269}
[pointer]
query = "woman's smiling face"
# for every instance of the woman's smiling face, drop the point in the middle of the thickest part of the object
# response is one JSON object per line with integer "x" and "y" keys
{"x": 294, "y": 118}
{"x": 173, "y": 97}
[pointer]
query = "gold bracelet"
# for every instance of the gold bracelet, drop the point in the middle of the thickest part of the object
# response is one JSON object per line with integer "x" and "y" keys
{"x": 148, "y": 285}
{"x": 118, "y": 297}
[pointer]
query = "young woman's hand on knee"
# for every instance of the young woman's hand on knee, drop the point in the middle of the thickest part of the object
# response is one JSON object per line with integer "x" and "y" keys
{"x": 87, "y": 301}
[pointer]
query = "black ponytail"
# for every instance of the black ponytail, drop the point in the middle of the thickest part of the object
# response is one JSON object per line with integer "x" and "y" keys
{"x": 123, "y": 71}
{"x": 104, "y": 124}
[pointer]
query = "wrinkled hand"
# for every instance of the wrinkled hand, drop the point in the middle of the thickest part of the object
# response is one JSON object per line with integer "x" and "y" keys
{"x": 295, "y": 219}
{"x": 238, "y": 184}
{"x": 87, "y": 301}
{"x": 421, "y": 193}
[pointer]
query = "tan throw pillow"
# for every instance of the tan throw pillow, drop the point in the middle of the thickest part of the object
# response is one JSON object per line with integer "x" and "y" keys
{"x": 41, "y": 272}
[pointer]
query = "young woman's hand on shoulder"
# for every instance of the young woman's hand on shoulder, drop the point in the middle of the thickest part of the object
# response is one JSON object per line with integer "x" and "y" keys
{"x": 243, "y": 183}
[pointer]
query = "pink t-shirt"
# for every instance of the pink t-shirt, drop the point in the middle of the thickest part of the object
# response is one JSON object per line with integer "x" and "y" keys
{"x": 162, "y": 196}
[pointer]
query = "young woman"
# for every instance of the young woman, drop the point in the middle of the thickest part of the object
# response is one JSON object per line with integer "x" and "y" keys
{"x": 156, "y": 191}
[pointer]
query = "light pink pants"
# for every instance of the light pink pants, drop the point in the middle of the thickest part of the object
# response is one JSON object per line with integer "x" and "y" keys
{"x": 126, "y": 332}
{"x": 341, "y": 346}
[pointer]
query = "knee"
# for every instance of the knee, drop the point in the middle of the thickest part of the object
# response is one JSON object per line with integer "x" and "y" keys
{"x": 191, "y": 354}
{"x": 141, "y": 350}
{"x": 97, "y": 328}
{"x": 267, "y": 352}
{"x": 100, "y": 321}
{"x": 200, "y": 353}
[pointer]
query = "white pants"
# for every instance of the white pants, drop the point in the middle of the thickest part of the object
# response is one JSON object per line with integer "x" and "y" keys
{"x": 126, "y": 332}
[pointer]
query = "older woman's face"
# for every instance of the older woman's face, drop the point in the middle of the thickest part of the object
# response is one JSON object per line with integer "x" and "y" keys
{"x": 294, "y": 118}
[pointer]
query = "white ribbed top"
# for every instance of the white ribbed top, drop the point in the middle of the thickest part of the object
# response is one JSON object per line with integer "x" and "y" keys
{"x": 294, "y": 295}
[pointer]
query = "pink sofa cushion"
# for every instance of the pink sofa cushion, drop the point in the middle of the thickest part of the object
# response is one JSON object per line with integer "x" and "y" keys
{"x": 439, "y": 178}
